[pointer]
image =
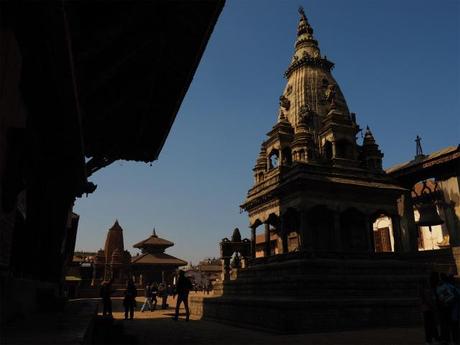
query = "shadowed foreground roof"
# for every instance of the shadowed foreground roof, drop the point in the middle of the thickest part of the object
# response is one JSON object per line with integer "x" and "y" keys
{"x": 157, "y": 259}
{"x": 114, "y": 72}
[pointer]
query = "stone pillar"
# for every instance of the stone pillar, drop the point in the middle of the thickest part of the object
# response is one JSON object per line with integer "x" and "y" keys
{"x": 334, "y": 149}
{"x": 337, "y": 236}
{"x": 408, "y": 228}
{"x": 370, "y": 235}
{"x": 253, "y": 242}
{"x": 226, "y": 268}
{"x": 396, "y": 225}
{"x": 267, "y": 240}
{"x": 446, "y": 210}
{"x": 305, "y": 233}
{"x": 283, "y": 233}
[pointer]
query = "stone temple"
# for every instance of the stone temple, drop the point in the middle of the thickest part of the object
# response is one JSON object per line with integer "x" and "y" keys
{"x": 317, "y": 192}
{"x": 315, "y": 187}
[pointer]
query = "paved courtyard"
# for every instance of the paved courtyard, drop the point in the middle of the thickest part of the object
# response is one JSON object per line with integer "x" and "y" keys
{"x": 157, "y": 327}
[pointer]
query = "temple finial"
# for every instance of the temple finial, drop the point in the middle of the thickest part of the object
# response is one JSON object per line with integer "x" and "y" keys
{"x": 305, "y": 41}
{"x": 154, "y": 232}
{"x": 301, "y": 11}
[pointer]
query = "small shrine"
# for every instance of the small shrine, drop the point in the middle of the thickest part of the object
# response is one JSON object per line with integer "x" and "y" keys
{"x": 153, "y": 264}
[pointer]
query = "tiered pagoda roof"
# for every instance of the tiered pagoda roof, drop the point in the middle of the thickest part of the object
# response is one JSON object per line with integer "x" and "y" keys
{"x": 153, "y": 252}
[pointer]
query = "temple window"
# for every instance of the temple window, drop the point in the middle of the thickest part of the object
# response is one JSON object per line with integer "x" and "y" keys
{"x": 260, "y": 177}
{"x": 343, "y": 149}
{"x": 273, "y": 159}
{"x": 310, "y": 153}
{"x": 302, "y": 155}
{"x": 287, "y": 157}
{"x": 327, "y": 149}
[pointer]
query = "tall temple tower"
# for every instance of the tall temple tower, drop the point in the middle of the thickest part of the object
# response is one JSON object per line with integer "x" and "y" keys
{"x": 317, "y": 192}
{"x": 315, "y": 187}
{"x": 114, "y": 261}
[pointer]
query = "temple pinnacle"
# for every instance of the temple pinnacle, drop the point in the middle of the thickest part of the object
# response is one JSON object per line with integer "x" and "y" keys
{"x": 301, "y": 11}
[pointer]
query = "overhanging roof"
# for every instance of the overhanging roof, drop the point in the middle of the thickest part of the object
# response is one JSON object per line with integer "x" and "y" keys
{"x": 134, "y": 62}
{"x": 104, "y": 79}
{"x": 437, "y": 164}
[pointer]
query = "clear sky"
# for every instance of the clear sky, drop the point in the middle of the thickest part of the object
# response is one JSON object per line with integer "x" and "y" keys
{"x": 397, "y": 63}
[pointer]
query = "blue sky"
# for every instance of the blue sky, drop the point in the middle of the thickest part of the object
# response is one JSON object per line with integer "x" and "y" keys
{"x": 397, "y": 63}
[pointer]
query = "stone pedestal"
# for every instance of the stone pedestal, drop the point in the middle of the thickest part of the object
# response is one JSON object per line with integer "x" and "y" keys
{"x": 319, "y": 294}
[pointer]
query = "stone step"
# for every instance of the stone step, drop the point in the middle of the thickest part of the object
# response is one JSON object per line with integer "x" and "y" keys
{"x": 328, "y": 266}
{"x": 293, "y": 315}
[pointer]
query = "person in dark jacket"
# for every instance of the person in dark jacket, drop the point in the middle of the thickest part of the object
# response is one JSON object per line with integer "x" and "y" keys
{"x": 183, "y": 287}
{"x": 129, "y": 300}
{"x": 429, "y": 307}
{"x": 106, "y": 295}
{"x": 153, "y": 295}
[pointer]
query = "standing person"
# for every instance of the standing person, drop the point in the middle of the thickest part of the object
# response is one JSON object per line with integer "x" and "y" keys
{"x": 184, "y": 285}
{"x": 455, "y": 314}
{"x": 148, "y": 297}
{"x": 163, "y": 293}
{"x": 153, "y": 295}
{"x": 428, "y": 304}
{"x": 446, "y": 297}
{"x": 130, "y": 299}
{"x": 106, "y": 294}
{"x": 209, "y": 287}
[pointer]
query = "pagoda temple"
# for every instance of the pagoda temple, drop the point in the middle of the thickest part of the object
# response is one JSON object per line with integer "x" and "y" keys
{"x": 153, "y": 264}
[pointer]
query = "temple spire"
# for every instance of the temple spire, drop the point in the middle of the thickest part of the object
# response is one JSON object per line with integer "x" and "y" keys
{"x": 304, "y": 27}
{"x": 368, "y": 137}
{"x": 305, "y": 43}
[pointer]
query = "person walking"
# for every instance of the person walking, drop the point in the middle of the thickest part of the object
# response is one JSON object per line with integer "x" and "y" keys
{"x": 106, "y": 295}
{"x": 208, "y": 287}
{"x": 148, "y": 298}
{"x": 153, "y": 295}
{"x": 129, "y": 300}
{"x": 163, "y": 294}
{"x": 429, "y": 308}
{"x": 184, "y": 285}
{"x": 447, "y": 299}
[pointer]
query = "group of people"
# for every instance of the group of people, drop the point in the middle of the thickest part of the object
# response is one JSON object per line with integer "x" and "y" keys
{"x": 441, "y": 309}
{"x": 152, "y": 291}
{"x": 129, "y": 298}
{"x": 205, "y": 287}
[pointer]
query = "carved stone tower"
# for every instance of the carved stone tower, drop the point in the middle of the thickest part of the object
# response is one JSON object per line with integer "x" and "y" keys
{"x": 315, "y": 187}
